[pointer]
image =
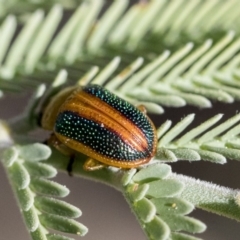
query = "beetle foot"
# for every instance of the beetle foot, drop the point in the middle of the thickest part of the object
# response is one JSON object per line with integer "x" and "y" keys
{"x": 92, "y": 165}
{"x": 142, "y": 108}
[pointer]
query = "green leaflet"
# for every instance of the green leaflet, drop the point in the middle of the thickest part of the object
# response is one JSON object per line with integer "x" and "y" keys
{"x": 31, "y": 219}
{"x": 190, "y": 135}
{"x": 29, "y": 179}
{"x": 26, "y": 198}
{"x": 34, "y": 152}
{"x": 145, "y": 209}
{"x": 39, "y": 234}
{"x": 165, "y": 155}
{"x": 199, "y": 143}
{"x": 164, "y": 188}
{"x": 183, "y": 223}
{"x": 157, "y": 229}
{"x": 19, "y": 175}
{"x": 46, "y": 187}
{"x": 176, "y": 130}
{"x": 211, "y": 197}
{"x": 120, "y": 30}
{"x": 152, "y": 172}
{"x": 155, "y": 200}
{"x": 226, "y": 152}
{"x": 10, "y": 156}
{"x": 171, "y": 205}
{"x": 57, "y": 207}
{"x": 128, "y": 176}
{"x": 212, "y": 156}
{"x": 192, "y": 74}
{"x": 63, "y": 224}
{"x": 186, "y": 154}
{"x": 37, "y": 169}
{"x": 138, "y": 191}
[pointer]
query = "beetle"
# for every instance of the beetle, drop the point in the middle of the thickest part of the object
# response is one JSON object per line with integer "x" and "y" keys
{"x": 92, "y": 120}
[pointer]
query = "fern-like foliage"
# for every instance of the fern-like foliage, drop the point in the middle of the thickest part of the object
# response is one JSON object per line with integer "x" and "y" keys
{"x": 36, "y": 194}
{"x": 152, "y": 193}
{"x": 195, "y": 78}
{"x": 157, "y": 53}
{"x": 23, "y": 9}
{"x": 158, "y": 206}
{"x": 155, "y": 185}
{"x": 211, "y": 145}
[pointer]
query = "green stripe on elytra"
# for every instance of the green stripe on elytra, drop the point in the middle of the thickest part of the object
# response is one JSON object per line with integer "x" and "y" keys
{"x": 94, "y": 135}
{"x": 125, "y": 108}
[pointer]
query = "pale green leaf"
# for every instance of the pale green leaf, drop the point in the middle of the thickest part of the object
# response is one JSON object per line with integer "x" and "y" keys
{"x": 46, "y": 187}
{"x": 31, "y": 219}
{"x": 226, "y": 152}
{"x": 143, "y": 73}
{"x": 43, "y": 36}
{"x": 183, "y": 223}
{"x": 57, "y": 207}
{"x": 61, "y": 41}
{"x": 165, "y": 155}
{"x": 212, "y": 156}
{"x": 164, "y": 188}
{"x": 108, "y": 70}
{"x": 19, "y": 175}
{"x": 233, "y": 144}
{"x": 186, "y": 154}
{"x": 37, "y": 169}
{"x": 209, "y": 196}
{"x": 145, "y": 209}
{"x": 39, "y": 234}
{"x": 10, "y": 156}
{"x": 195, "y": 100}
{"x": 157, "y": 229}
{"x": 152, "y": 172}
{"x": 34, "y": 152}
{"x": 26, "y": 198}
{"x": 63, "y": 224}
{"x": 219, "y": 129}
{"x": 124, "y": 74}
{"x": 152, "y": 108}
{"x": 127, "y": 177}
{"x": 106, "y": 23}
{"x": 193, "y": 74}
{"x": 82, "y": 30}
{"x": 190, "y": 135}
{"x": 163, "y": 128}
{"x": 138, "y": 191}
{"x": 167, "y": 100}
{"x": 231, "y": 133}
{"x": 20, "y": 46}
{"x": 7, "y": 30}
{"x": 177, "y": 129}
{"x": 169, "y": 206}
{"x": 217, "y": 95}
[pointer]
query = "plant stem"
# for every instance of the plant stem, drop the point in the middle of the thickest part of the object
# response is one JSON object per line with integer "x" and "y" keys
{"x": 110, "y": 175}
{"x": 211, "y": 197}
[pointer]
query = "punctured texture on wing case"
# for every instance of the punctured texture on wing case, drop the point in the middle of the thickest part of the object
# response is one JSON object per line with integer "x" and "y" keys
{"x": 105, "y": 127}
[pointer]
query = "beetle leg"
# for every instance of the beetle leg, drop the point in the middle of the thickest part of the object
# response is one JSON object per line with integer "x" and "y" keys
{"x": 53, "y": 141}
{"x": 70, "y": 165}
{"x": 92, "y": 165}
{"x": 142, "y": 108}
